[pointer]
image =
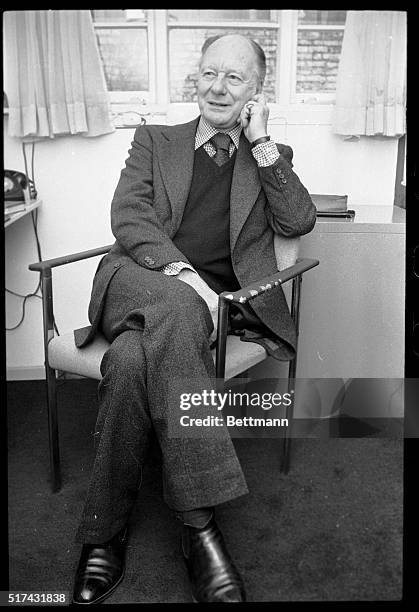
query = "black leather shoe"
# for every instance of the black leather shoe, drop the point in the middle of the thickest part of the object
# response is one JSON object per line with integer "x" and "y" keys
{"x": 212, "y": 574}
{"x": 100, "y": 570}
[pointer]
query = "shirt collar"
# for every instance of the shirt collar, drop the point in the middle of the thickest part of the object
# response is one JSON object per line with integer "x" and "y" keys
{"x": 205, "y": 131}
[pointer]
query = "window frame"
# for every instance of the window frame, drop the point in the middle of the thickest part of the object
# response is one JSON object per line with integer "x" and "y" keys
{"x": 158, "y": 28}
{"x": 138, "y": 96}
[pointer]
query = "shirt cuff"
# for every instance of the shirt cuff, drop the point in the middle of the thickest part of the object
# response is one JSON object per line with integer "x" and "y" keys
{"x": 174, "y": 267}
{"x": 265, "y": 153}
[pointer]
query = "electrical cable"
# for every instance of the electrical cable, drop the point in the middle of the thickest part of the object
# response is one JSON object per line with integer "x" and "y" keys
{"x": 23, "y": 309}
{"x": 34, "y": 216}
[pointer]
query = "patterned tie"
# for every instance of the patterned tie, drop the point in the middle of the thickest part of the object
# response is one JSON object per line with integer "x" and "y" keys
{"x": 221, "y": 143}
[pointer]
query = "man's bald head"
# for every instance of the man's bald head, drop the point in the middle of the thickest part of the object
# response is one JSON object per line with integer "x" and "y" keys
{"x": 238, "y": 40}
{"x": 230, "y": 74}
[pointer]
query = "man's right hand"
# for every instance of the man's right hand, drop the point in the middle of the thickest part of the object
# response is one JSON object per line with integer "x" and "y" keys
{"x": 208, "y": 295}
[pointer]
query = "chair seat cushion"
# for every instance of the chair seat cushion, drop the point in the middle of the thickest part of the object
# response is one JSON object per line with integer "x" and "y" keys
{"x": 64, "y": 355}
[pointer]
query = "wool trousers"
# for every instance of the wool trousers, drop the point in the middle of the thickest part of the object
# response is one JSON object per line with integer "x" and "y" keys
{"x": 159, "y": 330}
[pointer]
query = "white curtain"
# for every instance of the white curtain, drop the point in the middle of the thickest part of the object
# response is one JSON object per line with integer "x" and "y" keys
{"x": 371, "y": 82}
{"x": 54, "y": 77}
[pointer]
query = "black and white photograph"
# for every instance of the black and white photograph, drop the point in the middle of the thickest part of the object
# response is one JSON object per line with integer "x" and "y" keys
{"x": 205, "y": 302}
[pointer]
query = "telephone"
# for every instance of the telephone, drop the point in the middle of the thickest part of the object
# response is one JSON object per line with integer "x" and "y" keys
{"x": 18, "y": 187}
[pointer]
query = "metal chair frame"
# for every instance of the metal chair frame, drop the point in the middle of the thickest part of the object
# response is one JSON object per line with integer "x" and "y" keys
{"x": 225, "y": 299}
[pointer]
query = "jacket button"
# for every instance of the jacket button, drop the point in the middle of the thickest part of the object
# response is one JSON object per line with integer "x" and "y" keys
{"x": 149, "y": 260}
{"x": 284, "y": 180}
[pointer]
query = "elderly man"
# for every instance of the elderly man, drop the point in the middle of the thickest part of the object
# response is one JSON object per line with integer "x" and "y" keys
{"x": 194, "y": 213}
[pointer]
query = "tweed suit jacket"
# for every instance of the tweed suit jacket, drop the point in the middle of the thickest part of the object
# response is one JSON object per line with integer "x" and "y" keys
{"x": 150, "y": 199}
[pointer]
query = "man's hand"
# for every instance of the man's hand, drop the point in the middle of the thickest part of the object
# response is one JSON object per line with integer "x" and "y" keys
{"x": 211, "y": 298}
{"x": 254, "y": 118}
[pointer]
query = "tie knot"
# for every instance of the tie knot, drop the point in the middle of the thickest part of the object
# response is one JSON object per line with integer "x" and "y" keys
{"x": 221, "y": 141}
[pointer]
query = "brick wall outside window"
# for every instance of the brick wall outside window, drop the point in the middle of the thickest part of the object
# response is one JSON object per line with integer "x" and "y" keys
{"x": 318, "y": 53}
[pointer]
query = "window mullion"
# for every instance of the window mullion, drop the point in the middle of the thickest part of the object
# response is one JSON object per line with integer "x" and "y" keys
{"x": 287, "y": 61}
{"x": 152, "y": 80}
{"x": 160, "y": 67}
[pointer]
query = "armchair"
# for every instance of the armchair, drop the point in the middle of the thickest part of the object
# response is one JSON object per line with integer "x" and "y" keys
{"x": 231, "y": 356}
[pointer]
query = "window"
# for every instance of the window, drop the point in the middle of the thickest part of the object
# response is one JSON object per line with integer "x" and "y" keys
{"x": 188, "y": 29}
{"x": 151, "y": 56}
{"x": 319, "y": 42}
{"x": 123, "y": 42}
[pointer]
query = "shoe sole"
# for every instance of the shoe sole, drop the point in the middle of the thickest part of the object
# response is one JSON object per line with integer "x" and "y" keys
{"x": 196, "y": 601}
{"x": 102, "y": 597}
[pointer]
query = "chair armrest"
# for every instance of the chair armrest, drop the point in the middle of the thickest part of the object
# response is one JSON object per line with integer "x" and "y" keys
{"x": 245, "y": 295}
{"x": 269, "y": 282}
{"x": 42, "y": 266}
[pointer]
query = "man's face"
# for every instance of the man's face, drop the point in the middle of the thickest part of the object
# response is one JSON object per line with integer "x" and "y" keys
{"x": 228, "y": 79}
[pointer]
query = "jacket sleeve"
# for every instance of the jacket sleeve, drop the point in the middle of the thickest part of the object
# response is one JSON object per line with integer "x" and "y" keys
{"x": 289, "y": 208}
{"x": 134, "y": 221}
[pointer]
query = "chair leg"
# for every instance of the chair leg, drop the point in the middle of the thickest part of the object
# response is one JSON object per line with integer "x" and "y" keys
{"x": 289, "y": 414}
{"x": 292, "y": 371}
{"x": 54, "y": 448}
{"x": 48, "y": 320}
{"x": 285, "y": 455}
{"x": 220, "y": 351}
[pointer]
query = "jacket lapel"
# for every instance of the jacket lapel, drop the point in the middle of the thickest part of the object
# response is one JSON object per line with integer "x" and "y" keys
{"x": 176, "y": 159}
{"x": 245, "y": 188}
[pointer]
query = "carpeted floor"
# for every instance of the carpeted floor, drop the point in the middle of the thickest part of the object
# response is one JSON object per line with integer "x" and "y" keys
{"x": 329, "y": 530}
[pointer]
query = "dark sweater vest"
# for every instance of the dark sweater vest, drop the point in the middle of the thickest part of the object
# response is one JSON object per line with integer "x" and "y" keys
{"x": 204, "y": 233}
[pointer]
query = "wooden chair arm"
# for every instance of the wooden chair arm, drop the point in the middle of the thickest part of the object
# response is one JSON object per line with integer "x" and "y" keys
{"x": 45, "y": 269}
{"x": 41, "y": 266}
{"x": 249, "y": 293}
{"x": 245, "y": 294}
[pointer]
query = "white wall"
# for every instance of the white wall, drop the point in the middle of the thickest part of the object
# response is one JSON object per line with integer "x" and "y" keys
{"x": 76, "y": 178}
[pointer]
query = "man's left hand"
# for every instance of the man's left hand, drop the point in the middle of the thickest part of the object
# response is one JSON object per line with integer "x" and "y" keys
{"x": 254, "y": 118}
